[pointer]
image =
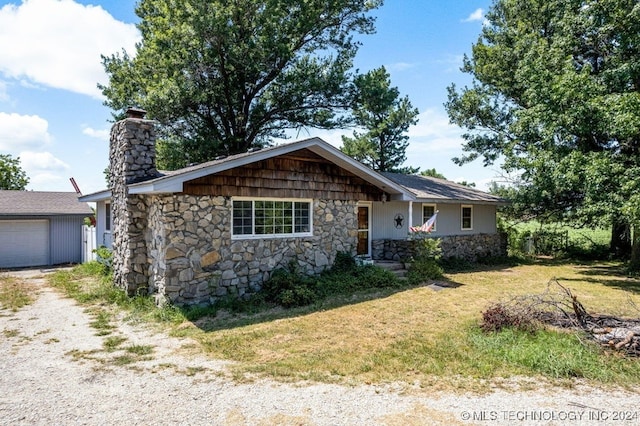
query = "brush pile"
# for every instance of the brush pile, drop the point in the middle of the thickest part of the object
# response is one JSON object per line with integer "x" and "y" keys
{"x": 559, "y": 307}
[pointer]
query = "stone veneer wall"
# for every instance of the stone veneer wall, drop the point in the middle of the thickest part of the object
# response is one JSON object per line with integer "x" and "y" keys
{"x": 468, "y": 247}
{"x": 179, "y": 247}
{"x": 131, "y": 159}
{"x": 194, "y": 260}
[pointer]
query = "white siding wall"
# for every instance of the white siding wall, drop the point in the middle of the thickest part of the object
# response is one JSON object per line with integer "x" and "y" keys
{"x": 103, "y": 236}
{"x": 449, "y": 219}
{"x": 383, "y": 220}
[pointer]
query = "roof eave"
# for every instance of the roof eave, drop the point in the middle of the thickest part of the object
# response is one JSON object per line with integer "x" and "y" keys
{"x": 396, "y": 192}
{"x": 174, "y": 183}
{"x": 96, "y": 196}
{"x": 462, "y": 201}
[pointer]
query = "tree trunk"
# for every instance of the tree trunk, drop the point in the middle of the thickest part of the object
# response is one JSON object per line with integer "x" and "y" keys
{"x": 634, "y": 262}
{"x": 620, "y": 245}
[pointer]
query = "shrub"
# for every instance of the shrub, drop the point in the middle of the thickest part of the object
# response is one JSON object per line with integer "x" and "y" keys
{"x": 289, "y": 287}
{"x": 373, "y": 276}
{"x": 424, "y": 269}
{"x": 424, "y": 264}
{"x": 344, "y": 263}
{"x": 299, "y": 295}
{"x": 428, "y": 248}
{"x": 104, "y": 257}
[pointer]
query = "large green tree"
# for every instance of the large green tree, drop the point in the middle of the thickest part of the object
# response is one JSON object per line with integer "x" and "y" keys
{"x": 223, "y": 77}
{"x": 555, "y": 97}
{"x": 385, "y": 118}
{"x": 11, "y": 174}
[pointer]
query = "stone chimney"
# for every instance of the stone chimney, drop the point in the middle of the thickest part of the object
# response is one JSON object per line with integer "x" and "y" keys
{"x": 132, "y": 150}
{"x": 131, "y": 159}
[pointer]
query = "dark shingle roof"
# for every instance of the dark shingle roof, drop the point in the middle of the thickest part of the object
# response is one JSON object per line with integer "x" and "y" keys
{"x": 35, "y": 203}
{"x": 441, "y": 190}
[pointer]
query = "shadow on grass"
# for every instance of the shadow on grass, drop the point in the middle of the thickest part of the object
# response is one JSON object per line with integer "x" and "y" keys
{"x": 216, "y": 318}
{"x": 455, "y": 265}
{"x": 610, "y": 275}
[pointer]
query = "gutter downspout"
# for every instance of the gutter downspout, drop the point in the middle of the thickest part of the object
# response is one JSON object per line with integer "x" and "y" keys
{"x": 410, "y": 216}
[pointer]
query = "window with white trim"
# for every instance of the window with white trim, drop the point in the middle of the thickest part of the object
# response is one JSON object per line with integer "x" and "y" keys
{"x": 263, "y": 217}
{"x": 429, "y": 210}
{"x": 466, "y": 215}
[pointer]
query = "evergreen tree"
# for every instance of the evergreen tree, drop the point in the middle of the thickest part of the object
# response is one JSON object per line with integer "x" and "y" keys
{"x": 385, "y": 118}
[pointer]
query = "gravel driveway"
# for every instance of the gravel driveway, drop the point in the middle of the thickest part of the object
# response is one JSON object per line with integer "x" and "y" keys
{"x": 56, "y": 371}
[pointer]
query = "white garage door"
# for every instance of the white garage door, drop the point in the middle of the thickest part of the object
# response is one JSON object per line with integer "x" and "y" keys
{"x": 24, "y": 243}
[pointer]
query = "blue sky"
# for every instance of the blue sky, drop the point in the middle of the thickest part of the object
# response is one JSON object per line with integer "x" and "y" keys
{"x": 52, "y": 117}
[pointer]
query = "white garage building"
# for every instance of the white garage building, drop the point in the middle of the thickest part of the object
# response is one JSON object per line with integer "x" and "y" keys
{"x": 40, "y": 228}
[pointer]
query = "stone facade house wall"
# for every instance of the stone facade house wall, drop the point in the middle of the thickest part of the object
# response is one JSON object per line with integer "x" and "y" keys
{"x": 220, "y": 228}
{"x": 180, "y": 248}
{"x": 193, "y": 258}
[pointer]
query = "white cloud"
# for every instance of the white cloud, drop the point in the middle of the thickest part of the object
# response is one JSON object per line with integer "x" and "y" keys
{"x": 400, "y": 66}
{"x": 19, "y": 132}
{"x": 432, "y": 144}
{"x": 332, "y": 137}
{"x": 58, "y": 43}
{"x": 434, "y": 133}
{"x": 46, "y": 182}
{"x": 103, "y": 134}
{"x": 44, "y": 170}
{"x": 38, "y": 162}
{"x": 476, "y": 16}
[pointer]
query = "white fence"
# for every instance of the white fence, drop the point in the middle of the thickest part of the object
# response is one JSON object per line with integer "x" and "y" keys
{"x": 88, "y": 243}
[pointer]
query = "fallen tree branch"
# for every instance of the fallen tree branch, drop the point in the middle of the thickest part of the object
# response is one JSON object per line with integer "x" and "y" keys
{"x": 557, "y": 306}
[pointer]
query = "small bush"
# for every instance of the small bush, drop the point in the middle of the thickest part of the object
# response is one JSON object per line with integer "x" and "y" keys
{"x": 425, "y": 263}
{"x": 254, "y": 303}
{"x": 422, "y": 270}
{"x": 300, "y": 295}
{"x": 104, "y": 257}
{"x": 428, "y": 248}
{"x": 456, "y": 264}
{"x": 344, "y": 263}
{"x": 373, "y": 276}
{"x": 289, "y": 287}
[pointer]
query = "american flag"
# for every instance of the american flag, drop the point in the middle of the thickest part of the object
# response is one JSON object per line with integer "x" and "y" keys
{"x": 427, "y": 226}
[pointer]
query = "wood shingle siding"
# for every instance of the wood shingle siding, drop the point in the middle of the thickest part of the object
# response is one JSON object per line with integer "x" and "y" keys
{"x": 302, "y": 174}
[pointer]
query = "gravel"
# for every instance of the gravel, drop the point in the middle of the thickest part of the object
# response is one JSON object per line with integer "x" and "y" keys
{"x": 56, "y": 371}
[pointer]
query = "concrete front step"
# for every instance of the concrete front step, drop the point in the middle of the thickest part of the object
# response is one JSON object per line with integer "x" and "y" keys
{"x": 397, "y": 268}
